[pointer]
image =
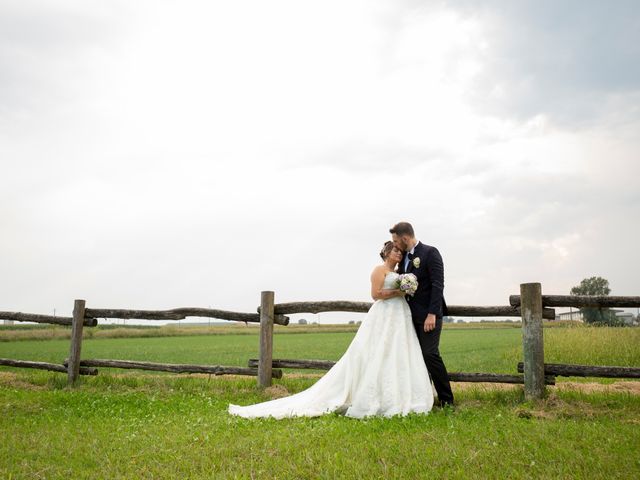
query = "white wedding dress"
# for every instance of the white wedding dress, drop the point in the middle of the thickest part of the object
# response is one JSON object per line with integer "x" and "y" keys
{"x": 381, "y": 373}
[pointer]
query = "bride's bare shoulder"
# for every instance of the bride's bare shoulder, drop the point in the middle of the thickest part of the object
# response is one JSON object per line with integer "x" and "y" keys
{"x": 378, "y": 270}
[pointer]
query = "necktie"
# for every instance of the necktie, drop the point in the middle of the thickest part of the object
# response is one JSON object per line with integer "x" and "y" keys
{"x": 409, "y": 258}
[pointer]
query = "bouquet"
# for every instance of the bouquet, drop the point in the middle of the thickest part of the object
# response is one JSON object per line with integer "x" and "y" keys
{"x": 408, "y": 283}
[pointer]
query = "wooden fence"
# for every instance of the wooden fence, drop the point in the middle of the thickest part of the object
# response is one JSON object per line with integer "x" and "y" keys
{"x": 532, "y": 302}
{"x": 88, "y": 317}
{"x": 530, "y": 305}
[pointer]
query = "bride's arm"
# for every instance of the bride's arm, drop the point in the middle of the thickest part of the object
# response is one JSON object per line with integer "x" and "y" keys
{"x": 377, "y": 282}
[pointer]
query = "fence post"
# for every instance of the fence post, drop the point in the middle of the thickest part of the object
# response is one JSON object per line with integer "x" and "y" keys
{"x": 532, "y": 340}
{"x": 73, "y": 368}
{"x": 266, "y": 339}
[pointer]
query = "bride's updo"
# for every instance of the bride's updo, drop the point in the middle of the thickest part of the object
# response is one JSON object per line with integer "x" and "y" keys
{"x": 386, "y": 249}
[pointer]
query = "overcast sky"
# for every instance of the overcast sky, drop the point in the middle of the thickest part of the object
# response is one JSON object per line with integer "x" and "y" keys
{"x": 165, "y": 154}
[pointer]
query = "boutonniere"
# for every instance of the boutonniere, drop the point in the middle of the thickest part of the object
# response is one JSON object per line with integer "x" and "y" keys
{"x": 416, "y": 262}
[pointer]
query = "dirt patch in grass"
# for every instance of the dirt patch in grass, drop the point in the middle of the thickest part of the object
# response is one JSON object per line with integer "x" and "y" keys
{"x": 277, "y": 391}
{"x": 304, "y": 375}
{"x": 616, "y": 387}
{"x": 553, "y": 407}
{"x": 484, "y": 386}
{"x": 631, "y": 387}
{"x": 11, "y": 380}
{"x": 522, "y": 412}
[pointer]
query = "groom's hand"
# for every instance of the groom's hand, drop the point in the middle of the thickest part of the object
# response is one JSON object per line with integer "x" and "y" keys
{"x": 430, "y": 322}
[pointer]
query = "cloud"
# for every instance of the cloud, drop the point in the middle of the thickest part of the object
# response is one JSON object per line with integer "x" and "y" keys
{"x": 564, "y": 60}
{"x": 44, "y": 47}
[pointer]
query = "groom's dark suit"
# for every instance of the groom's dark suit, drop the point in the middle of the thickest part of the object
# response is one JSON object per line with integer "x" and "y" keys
{"x": 428, "y": 299}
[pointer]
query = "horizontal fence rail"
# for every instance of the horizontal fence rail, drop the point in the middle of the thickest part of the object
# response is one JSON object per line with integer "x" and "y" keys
{"x": 319, "y": 307}
{"x": 453, "y": 376}
{"x": 179, "y": 314}
{"x": 36, "y": 318}
{"x": 363, "y": 307}
{"x": 494, "y": 378}
{"x": 598, "y": 301}
{"x": 299, "y": 364}
{"x": 497, "y": 311}
{"x": 569, "y": 370}
{"x": 174, "y": 367}
{"x": 54, "y": 367}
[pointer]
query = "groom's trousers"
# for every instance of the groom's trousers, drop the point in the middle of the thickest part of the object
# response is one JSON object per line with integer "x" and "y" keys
{"x": 430, "y": 346}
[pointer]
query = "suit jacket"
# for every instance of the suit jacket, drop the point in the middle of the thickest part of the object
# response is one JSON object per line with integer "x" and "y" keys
{"x": 430, "y": 274}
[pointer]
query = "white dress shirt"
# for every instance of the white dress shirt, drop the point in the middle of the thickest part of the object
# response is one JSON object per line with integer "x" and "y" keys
{"x": 406, "y": 256}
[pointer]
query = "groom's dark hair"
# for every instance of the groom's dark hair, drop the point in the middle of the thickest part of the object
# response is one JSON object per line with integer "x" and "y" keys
{"x": 402, "y": 228}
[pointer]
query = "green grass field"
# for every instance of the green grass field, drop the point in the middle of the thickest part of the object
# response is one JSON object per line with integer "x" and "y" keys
{"x": 467, "y": 349}
{"x": 131, "y": 424}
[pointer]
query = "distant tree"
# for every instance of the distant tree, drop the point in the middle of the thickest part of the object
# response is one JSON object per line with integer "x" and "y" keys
{"x": 592, "y": 286}
{"x": 447, "y": 319}
{"x": 302, "y": 321}
{"x": 597, "y": 316}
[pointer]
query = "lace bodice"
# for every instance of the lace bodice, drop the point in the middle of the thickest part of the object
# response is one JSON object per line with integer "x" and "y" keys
{"x": 390, "y": 280}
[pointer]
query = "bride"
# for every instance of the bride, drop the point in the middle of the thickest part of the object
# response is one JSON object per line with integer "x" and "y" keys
{"x": 381, "y": 373}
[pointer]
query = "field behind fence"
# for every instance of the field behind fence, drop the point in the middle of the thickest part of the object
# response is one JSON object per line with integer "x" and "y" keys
{"x": 465, "y": 347}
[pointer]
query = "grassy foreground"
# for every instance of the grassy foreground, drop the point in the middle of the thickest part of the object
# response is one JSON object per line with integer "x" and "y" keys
{"x": 143, "y": 426}
{"x": 127, "y": 424}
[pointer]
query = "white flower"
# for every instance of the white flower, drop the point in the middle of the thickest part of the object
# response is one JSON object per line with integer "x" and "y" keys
{"x": 416, "y": 262}
{"x": 408, "y": 283}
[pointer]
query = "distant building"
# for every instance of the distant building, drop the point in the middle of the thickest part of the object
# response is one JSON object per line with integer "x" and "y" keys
{"x": 572, "y": 315}
{"x": 626, "y": 318}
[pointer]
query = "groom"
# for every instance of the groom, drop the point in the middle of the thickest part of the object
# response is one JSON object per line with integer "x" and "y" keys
{"x": 427, "y": 304}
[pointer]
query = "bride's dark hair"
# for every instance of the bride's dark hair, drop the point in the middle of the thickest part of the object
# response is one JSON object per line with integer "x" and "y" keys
{"x": 386, "y": 249}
